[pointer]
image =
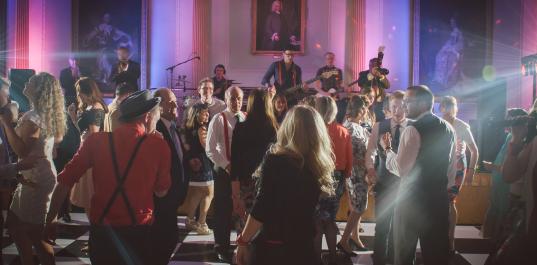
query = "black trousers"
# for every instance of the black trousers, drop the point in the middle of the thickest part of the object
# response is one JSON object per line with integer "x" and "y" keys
{"x": 424, "y": 218}
{"x": 385, "y": 198}
{"x": 164, "y": 237}
{"x": 223, "y": 209}
{"x": 119, "y": 245}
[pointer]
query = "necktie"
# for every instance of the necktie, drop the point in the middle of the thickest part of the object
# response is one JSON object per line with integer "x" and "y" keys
{"x": 396, "y": 136}
{"x": 238, "y": 117}
{"x": 175, "y": 139}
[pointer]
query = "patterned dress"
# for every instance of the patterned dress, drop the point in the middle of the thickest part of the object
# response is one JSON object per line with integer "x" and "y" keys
{"x": 356, "y": 184}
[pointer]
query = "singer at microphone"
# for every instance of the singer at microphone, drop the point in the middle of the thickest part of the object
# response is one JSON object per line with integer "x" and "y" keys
{"x": 125, "y": 70}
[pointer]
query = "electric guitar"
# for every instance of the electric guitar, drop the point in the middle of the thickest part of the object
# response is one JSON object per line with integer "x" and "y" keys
{"x": 298, "y": 92}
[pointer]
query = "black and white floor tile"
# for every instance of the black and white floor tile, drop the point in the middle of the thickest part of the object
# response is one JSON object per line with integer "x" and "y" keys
{"x": 194, "y": 249}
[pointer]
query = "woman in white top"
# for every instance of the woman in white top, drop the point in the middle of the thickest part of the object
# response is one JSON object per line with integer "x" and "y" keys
{"x": 35, "y": 135}
{"x": 464, "y": 138}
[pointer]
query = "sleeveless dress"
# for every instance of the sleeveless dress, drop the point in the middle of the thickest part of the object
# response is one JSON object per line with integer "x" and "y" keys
{"x": 30, "y": 204}
{"x": 83, "y": 190}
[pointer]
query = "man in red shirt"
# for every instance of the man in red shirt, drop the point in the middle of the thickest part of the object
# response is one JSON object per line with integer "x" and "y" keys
{"x": 129, "y": 166}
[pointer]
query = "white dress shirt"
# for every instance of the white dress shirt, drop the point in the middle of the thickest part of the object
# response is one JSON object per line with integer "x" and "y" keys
{"x": 402, "y": 163}
{"x": 371, "y": 152}
{"x": 216, "y": 145}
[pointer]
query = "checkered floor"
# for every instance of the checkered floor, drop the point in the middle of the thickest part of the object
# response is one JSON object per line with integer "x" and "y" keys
{"x": 194, "y": 249}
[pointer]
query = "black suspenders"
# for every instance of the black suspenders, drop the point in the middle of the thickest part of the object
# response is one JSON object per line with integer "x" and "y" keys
{"x": 120, "y": 179}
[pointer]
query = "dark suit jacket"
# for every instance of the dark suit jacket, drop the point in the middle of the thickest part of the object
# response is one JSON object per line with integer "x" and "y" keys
{"x": 130, "y": 76}
{"x": 166, "y": 207}
{"x": 68, "y": 83}
{"x": 363, "y": 82}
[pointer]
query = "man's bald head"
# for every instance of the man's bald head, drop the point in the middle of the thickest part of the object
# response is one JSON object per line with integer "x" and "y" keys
{"x": 168, "y": 103}
{"x": 234, "y": 96}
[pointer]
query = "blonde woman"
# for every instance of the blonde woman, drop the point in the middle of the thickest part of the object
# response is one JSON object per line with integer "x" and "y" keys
{"x": 89, "y": 118}
{"x": 294, "y": 173}
{"x": 343, "y": 157}
{"x": 35, "y": 135}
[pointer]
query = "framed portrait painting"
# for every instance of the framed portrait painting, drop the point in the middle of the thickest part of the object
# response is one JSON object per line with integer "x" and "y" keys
{"x": 278, "y": 25}
{"x": 100, "y": 27}
{"x": 451, "y": 44}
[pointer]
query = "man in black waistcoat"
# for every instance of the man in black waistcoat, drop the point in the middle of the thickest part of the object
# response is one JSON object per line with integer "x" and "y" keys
{"x": 424, "y": 162}
{"x": 165, "y": 230}
{"x": 386, "y": 183}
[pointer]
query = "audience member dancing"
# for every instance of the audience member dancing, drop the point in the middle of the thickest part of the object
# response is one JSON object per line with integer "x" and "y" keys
{"x": 198, "y": 168}
{"x": 342, "y": 149}
{"x": 90, "y": 119}
{"x": 423, "y": 162}
{"x": 111, "y": 119}
{"x": 64, "y": 153}
{"x": 520, "y": 165}
{"x": 205, "y": 90}
{"x": 128, "y": 173}
{"x": 500, "y": 196}
{"x": 164, "y": 231}
{"x": 386, "y": 183}
{"x": 37, "y": 132}
{"x": 68, "y": 78}
{"x": 376, "y": 97}
{"x": 250, "y": 142}
{"x": 464, "y": 138}
{"x": 294, "y": 173}
{"x": 218, "y": 148}
{"x": 280, "y": 107}
{"x": 357, "y": 186}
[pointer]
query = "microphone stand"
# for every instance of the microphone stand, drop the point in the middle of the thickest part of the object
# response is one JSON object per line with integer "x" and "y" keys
{"x": 171, "y": 68}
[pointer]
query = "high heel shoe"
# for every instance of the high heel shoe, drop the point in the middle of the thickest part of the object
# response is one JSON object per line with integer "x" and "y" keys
{"x": 347, "y": 253}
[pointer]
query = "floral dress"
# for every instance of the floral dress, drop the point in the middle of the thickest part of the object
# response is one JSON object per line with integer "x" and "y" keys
{"x": 356, "y": 184}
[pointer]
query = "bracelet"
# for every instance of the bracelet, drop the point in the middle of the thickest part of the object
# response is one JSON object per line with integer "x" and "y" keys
{"x": 241, "y": 242}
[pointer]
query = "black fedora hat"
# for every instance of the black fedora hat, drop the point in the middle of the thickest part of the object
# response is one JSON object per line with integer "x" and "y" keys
{"x": 137, "y": 104}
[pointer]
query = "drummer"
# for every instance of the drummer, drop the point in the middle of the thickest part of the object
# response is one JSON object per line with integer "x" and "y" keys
{"x": 220, "y": 82}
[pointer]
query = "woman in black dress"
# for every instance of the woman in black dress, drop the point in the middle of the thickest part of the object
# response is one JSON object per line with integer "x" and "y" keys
{"x": 250, "y": 142}
{"x": 198, "y": 168}
{"x": 89, "y": 117}
{"x": 294, "y": 173}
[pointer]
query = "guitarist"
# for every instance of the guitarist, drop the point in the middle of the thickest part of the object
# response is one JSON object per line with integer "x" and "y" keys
{"x": 285, "y": 73}
{"x": 332, "y": 81}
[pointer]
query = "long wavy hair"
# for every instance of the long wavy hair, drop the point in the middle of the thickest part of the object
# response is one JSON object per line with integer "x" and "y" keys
{"x": 191, "y": 121}
{"x": 259, "y": 109}
{"x": 356, "y": 103}
{"x": 89, "y": 88}
{"x": 303, "y": 135}
{"x": 47, "y": 100}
